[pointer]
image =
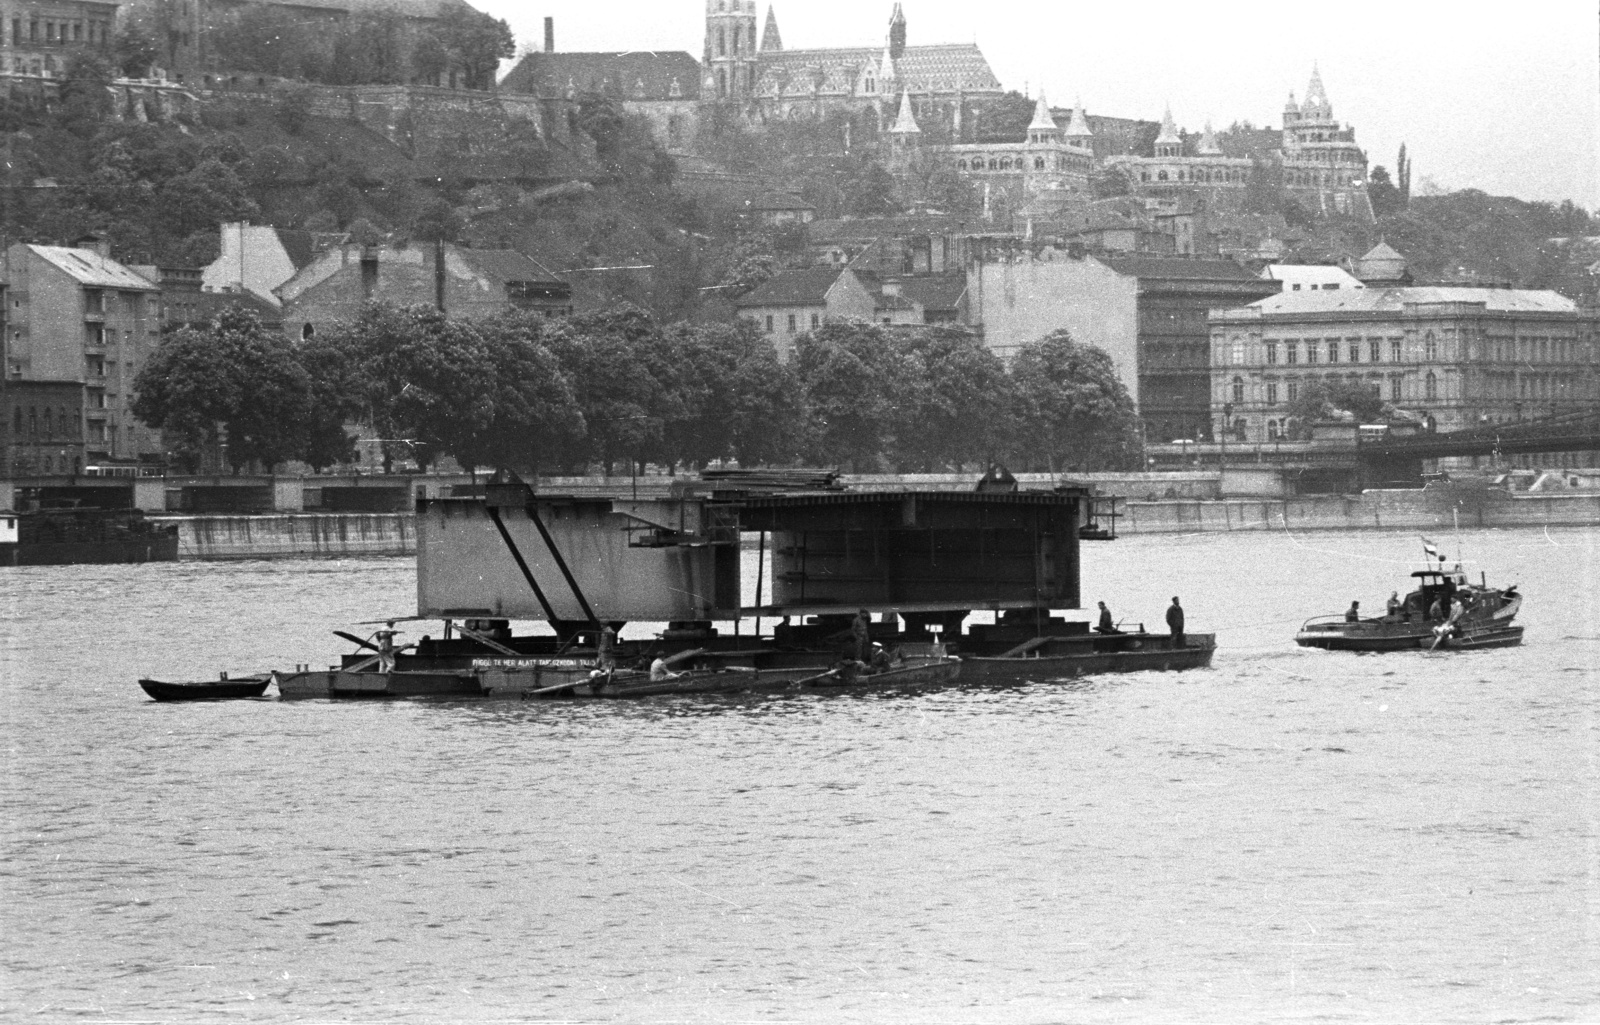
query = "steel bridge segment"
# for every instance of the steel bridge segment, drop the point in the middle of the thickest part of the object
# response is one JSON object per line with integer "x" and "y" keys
{"x": 1565, "y": 432}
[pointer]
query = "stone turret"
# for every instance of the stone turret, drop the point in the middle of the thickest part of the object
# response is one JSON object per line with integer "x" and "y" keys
{"x": 1043, "y": 130}
{"x": 1078, "y": 132}
{"x": 730, "y": 56}
{"x": 1208, "y": 143}
{"x": 1169, "y": 143}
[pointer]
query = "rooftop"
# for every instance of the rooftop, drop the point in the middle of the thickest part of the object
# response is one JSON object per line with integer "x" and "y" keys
{"x": 807, "y": 287}
{"x": 90, "y": 268}
{"x": 1395, "y": 300}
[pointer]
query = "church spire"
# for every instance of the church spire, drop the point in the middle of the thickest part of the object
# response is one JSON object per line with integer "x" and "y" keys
{"x": 906, "y": 123}
{"x": 897, "y": 32}
{"x": 771, "y": 39}
{"x": 1043, "y": 129}
{"x": 1208, "y": 143}
{"x": 1317, "y": 104}
{"x": 1078, "y": 131}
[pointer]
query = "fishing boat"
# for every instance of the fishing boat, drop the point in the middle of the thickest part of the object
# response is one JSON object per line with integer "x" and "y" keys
{"x": 223, "y": 689}
{"x": 1444, "y": 610}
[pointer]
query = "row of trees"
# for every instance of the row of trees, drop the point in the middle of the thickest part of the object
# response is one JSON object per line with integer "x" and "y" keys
{"x": 617, "y": 389}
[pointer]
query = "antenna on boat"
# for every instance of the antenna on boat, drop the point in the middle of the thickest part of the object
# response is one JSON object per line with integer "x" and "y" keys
{"x": 1455, "y": 513}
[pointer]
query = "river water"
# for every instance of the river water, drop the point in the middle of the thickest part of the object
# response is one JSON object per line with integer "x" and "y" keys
{"x": 1290, "y": 835}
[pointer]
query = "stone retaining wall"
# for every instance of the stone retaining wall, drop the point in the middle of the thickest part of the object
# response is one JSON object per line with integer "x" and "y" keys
{"x": 288, "y": 536}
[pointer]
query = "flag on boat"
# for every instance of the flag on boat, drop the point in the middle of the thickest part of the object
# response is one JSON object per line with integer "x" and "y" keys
{"x": 1431, "y": 549}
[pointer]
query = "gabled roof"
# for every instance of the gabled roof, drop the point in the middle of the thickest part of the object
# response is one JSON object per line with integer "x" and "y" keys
{"x": 669, "y": 74}
{"x": 807, "y": 287}
{"x": 1394, "y": 300}
{"x": 935, "y": 291}
{"x": 88, "y": 267}
{"x": 507, "y": 265}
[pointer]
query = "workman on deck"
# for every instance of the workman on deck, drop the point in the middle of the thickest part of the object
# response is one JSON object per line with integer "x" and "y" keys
{"x": 1394, "y": 606}
{"x": 880, "y": 660}
{"x": 1353, "y": 613}
{"x": 606, "y": 649}
{"x": 861, "y": 633}
{"x": 386, "y": 648}
{"x": 1175, "y": 623}
{"x": 660, "y": 672}
{"x": 1106, "y": 626}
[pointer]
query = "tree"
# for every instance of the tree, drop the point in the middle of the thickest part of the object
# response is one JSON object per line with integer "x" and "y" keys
{"x": 738, "y": 399}
{"x": 232, "y": 382}
{"x": 1402, "y": 168}
{"x": 1073, "y": 411}
{"x": 1111, "y": 181}
{"x": 1319, "y": 400}
{"x": 85, "y": 99}
{"x": 1382, "y": 192}
{"x": 850, "y": 374}
{"x": 135, "y": 51}
{"x": 624, "y": 384}
{"x": 477, "y": 43}
{"x": 869, "y": 191}
{"x": 954, "y": 406}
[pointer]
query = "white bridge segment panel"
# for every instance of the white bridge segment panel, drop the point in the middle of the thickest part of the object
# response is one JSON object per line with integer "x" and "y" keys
{"x": 464, "y": 567}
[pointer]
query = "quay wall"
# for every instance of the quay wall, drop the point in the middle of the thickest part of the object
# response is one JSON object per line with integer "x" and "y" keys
{"x": 1371, "y": 510}
{"x": 335, "y": 535}
{"x": 293, "y": 536}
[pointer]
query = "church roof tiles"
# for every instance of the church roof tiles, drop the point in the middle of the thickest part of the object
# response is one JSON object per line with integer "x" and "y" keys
{"x": 921, "y": 69}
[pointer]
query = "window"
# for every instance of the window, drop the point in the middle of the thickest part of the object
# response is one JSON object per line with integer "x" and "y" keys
{"x": 816, "y": 321}
{"x": 1431, "y": 386}
{"x": 1238, "y": 389}
{"x": 1374, "y": 350}
{"x": 1396, "y": 391}
{"x": 1038, "y": 163}
{"x": 1394, "y": 350}
{"x": 16, "y": 422}
{"x": 769, "y": 323}
{"x": 1311, "y": 352}
{"x": 791, "y": 323}
{"x": 1294, "y": 390}
{"x": 1291, "y": 351}
{"x": 1430, "y": 349}
{"x": 1333, "y": 352}
{"x": 1272, "y": 393}
{"x": 1272, "y": 353}
{"x": 49, "y": 423}
{"x": 1355, "y": 351}
{"x": 1238, "y": 351}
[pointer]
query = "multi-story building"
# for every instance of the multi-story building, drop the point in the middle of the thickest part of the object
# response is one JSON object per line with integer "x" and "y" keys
{"x": 1049, "y": 159}
{"x": 1455, "y": 357}
{"x": 795, "y": 302}
{"x": 38, "y": 36}
{"x": 1175, "y": 296}
{"x": 78, "y": 319}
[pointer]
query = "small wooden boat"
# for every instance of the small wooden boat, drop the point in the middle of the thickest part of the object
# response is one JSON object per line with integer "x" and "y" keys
{"x": 912, "y": 673}
{"x": 224, "y": 689}
{"x": 1075, "y": 655}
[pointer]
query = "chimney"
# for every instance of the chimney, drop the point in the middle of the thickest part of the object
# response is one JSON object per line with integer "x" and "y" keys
{"x": 96, "y": 242}
{"x": 549, "y": 35}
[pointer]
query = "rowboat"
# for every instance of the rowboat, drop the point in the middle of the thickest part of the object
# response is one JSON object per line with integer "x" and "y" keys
{"x": 1075, "y": 655}
{"x": 223, "y": 689}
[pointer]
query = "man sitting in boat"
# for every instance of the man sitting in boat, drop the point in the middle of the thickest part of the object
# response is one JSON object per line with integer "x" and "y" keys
{"x": 659, "y": 671}
{"x": 880, "y": 661}
{"x": 1393, "y": 615}
{"x": 1106, "y": 626}
{"x": 1353, "y": 613}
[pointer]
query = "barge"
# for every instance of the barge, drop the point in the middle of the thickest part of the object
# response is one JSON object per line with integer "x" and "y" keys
{"x": 839, "y": 575}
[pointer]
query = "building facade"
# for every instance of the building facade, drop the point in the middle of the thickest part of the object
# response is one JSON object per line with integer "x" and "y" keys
{"x": 1455, "y": 357}
{"x": 795, "y": 302}
{"x": 75, "y": 316}
{"x": 1175, "y": 297}
{"x": 38, "y": 36}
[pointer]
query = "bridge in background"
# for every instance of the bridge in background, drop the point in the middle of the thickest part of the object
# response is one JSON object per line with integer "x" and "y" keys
{"x": 1565, "y": 432}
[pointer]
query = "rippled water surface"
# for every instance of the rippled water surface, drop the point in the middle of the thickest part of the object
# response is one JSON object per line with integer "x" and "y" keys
{"x": 1291, "y": 835}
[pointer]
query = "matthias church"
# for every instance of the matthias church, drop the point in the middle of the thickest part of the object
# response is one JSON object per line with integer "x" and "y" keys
{"x": 929, "y": 104}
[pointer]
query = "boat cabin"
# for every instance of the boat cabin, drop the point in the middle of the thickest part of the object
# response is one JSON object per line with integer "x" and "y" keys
{"x": 8, "y": 527}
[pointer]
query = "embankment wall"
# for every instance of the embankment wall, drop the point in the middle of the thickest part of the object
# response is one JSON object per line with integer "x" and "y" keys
{"x": 1372, "y": 510}
{"x": 309, "y": 535}
{"x": 333, "y": 535}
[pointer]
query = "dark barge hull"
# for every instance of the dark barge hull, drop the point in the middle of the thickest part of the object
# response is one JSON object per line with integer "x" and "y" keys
{"x": 1409, "y": 640}
{"x": 72, "y": 553}
{"x": 1154, "y": 653}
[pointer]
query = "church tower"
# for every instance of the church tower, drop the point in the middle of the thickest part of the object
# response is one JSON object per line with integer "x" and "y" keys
{"x": 897, "y": 33}
{"x": 731, "y": 48}
{"x": 1169, "y": 143}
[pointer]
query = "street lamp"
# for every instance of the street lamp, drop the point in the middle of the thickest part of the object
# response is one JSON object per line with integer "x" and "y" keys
{"x": 1227, "y": 420}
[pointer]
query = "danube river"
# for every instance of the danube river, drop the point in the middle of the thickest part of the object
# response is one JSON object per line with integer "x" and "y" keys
{"x": 1290, "y": 835}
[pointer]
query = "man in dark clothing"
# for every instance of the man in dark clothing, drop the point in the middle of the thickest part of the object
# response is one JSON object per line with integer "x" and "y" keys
{"x": 1106, "y": 626}
{"x": 861, "y": 632}
{"x": 1353, "y": 613}
{"x": 1175, "y": 623}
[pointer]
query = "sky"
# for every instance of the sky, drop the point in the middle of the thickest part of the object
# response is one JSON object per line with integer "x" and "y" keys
{"x": 1503, "y": 98}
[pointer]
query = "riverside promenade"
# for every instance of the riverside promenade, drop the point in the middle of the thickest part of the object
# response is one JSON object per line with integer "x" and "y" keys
{"x": 1154, "y": 503}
